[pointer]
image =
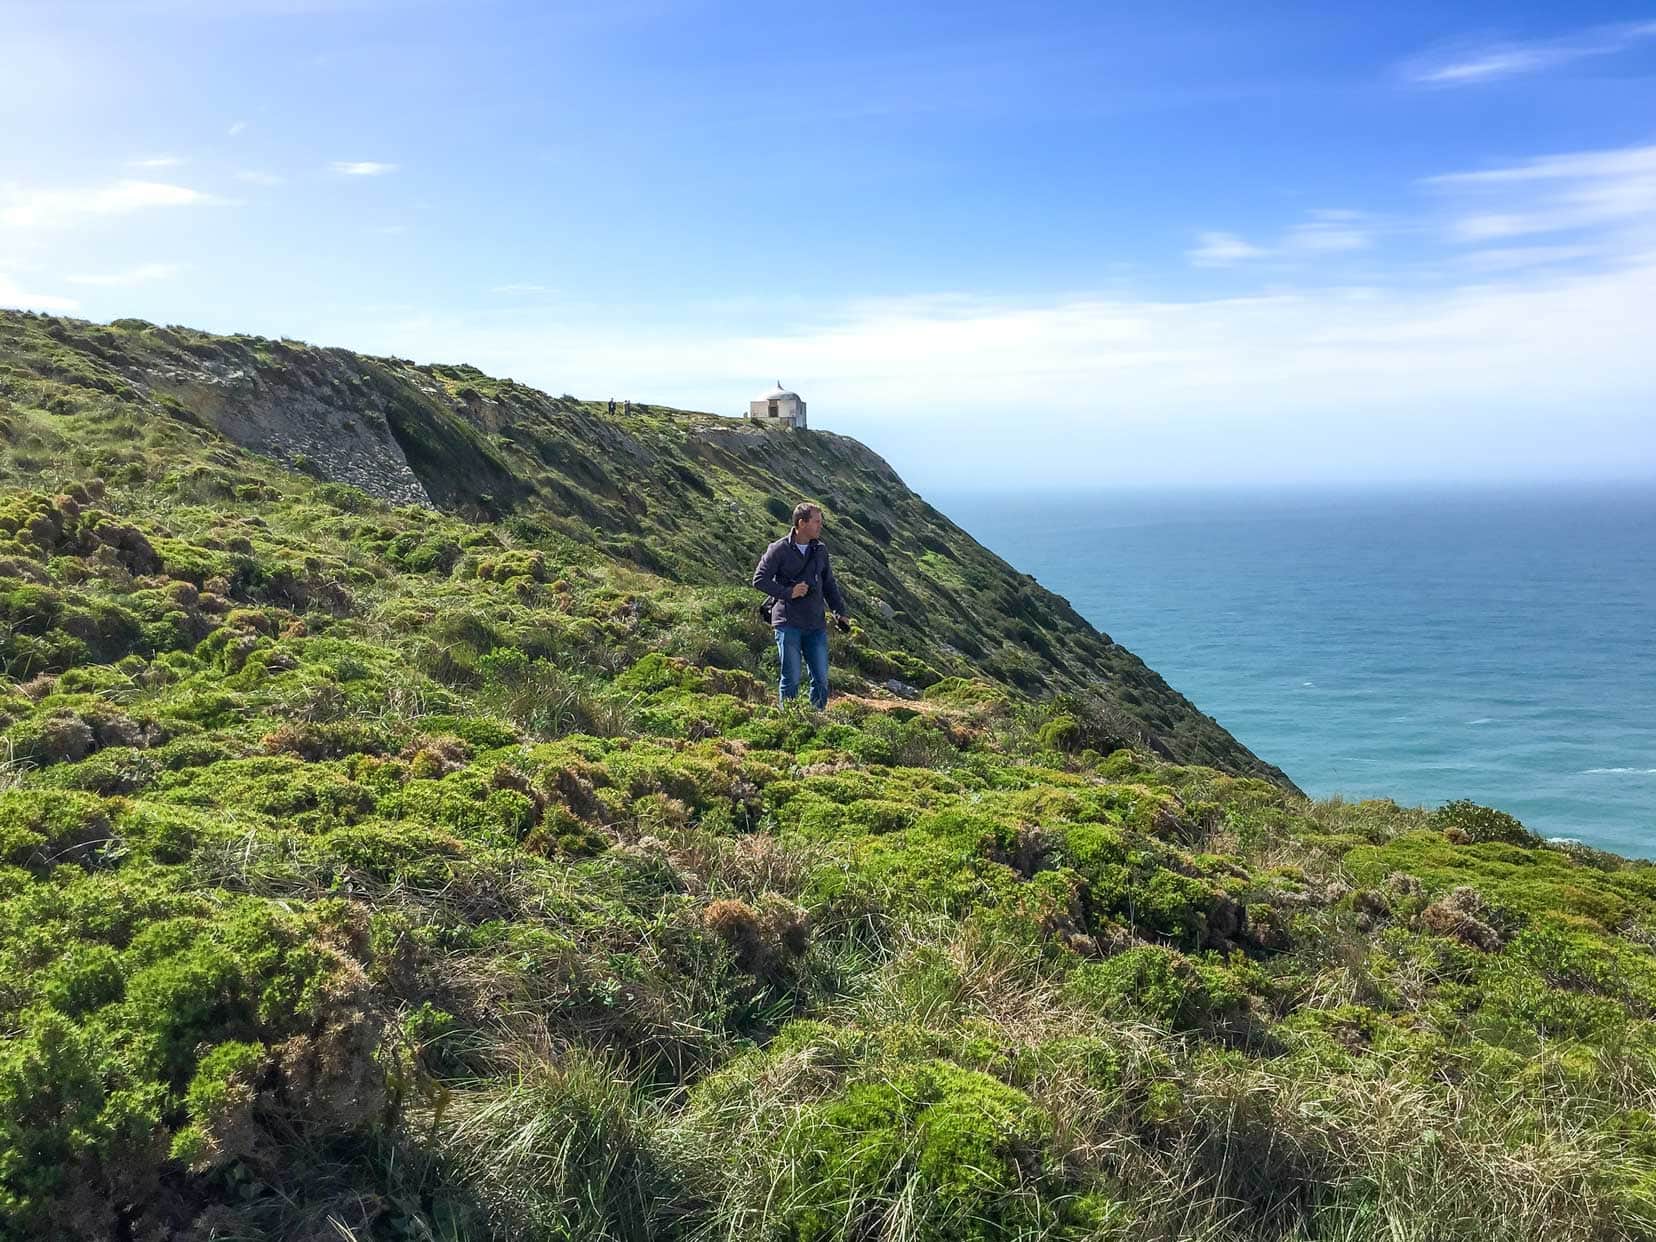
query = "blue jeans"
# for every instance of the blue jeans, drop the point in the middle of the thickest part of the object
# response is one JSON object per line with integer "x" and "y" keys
{"x": 791, "y": 643}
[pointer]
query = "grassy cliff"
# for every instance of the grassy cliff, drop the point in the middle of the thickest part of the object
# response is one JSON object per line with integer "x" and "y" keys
{"x": 689, "y": 498}
{"x": 397, "y": 840}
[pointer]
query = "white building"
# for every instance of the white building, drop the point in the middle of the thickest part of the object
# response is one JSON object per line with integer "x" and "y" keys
{"x": 778, "y": 407}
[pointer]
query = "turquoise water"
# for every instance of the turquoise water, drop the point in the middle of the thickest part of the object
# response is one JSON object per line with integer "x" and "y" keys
{"x": 1498, "y": 645}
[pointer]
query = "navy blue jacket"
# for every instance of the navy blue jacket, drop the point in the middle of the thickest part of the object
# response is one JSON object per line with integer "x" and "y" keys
{"x": 781, "y": 567}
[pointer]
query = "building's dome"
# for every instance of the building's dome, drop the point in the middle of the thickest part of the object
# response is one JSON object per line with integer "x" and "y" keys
{"x": 777, "y": 394}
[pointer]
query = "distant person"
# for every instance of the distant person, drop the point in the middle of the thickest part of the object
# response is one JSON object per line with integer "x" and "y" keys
{"x": 612, "y": 405}
{"x": 627, "y": 408}
{"x": 795, "y": 574}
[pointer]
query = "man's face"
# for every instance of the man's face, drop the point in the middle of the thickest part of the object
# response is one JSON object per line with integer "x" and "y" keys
{"x": 809, "y": 528}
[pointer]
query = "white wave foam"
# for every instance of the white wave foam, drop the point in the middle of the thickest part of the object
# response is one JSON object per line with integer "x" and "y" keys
{"x": 1618, "y": 771}
{"x": 1482, "y": 720}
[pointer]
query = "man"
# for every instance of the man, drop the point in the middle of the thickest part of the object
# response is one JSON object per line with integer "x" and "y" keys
{"x": 795, "y": 573}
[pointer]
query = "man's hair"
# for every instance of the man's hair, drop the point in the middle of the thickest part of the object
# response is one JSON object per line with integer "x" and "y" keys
{"x": 804, "y": 511}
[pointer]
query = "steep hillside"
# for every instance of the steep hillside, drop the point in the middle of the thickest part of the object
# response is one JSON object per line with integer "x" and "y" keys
{"x": 689, "y": 496}
{"x": 431, "y": 862}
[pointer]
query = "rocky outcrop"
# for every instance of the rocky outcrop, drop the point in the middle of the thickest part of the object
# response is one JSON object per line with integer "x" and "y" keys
{"x": 314, "y": 411}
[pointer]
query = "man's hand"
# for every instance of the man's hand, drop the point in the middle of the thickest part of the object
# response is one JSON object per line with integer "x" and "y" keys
{"x": 799, "y": 589}
{"x": 843, "y": 621}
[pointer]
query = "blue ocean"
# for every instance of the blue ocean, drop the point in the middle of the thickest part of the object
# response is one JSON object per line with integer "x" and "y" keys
{"x": 1497, "y": 644}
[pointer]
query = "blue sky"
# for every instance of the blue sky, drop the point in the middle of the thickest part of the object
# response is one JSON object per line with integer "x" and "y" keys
{"x": 1004, "y": 245}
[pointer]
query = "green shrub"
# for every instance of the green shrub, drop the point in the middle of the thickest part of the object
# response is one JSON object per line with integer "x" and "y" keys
{"x": 1159, "y": 985}
{"x": 397, "y": 852}
{"x": 220, "y": 1102}
{"x": 118, "y": 770}
{"x": 311, "y": 796}
{"x": 957, "y": 1153}
{"x": 40, "y": 828}
{"x": 152, "y": 1039}
{"x": 1468, "y": 822}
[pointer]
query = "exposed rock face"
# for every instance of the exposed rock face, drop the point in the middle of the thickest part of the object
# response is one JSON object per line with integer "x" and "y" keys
{"x": 317, "y": 413}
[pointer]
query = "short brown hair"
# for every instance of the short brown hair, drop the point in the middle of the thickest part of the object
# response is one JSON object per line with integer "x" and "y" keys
{"x": 804, "y": 511}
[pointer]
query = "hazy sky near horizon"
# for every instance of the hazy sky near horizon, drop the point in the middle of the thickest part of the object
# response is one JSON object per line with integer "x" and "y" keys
{"x": 1059, "y": 244}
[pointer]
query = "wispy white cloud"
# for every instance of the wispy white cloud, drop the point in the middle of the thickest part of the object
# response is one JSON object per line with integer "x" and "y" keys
{"x": 1222, "y": 250}
{"x": 1493, "y": 226}
{"x": 1583, "y": 190}
{"x": 12, "y": 294}
{"x": 1329, "y": 232}
{"x": 1485, "y": 64}
{"x": 1316, "y": 348}
{"x": 1469, "y": 64}
{"x": 1618, "y": 162}
{"x": 253, "y": 176}
{"x": 1514, "y": 258}
{"x": 22, "y": 207}
{"x": 362, "y": 168}
{"x": 1321, "y": 233}
{"x": 139, "y": 275}
{"x": 156, "y": 161}
{"x": 236, "y": 127}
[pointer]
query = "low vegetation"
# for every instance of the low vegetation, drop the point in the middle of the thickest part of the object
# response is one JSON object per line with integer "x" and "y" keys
{"x": 408, "y": 872}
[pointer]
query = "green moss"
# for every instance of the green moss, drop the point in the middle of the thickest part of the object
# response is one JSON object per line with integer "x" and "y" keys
{"x": 1096, "y": 1062}
{"x": 141, "y": 1034}
{"x": 466, "y": 804}
{"x": 942, "y": 864}
{"x": 219, "y": 1097}
{"x": 963, "y": 1153}
{"x": 1159, "y": 985}
{"x": 397, "y": 852}
{"x": 44, "y": 827}
{"x": 480, "y": 732}
{"x": 314, "y": 796}
{"x": 1525, "y": 880}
